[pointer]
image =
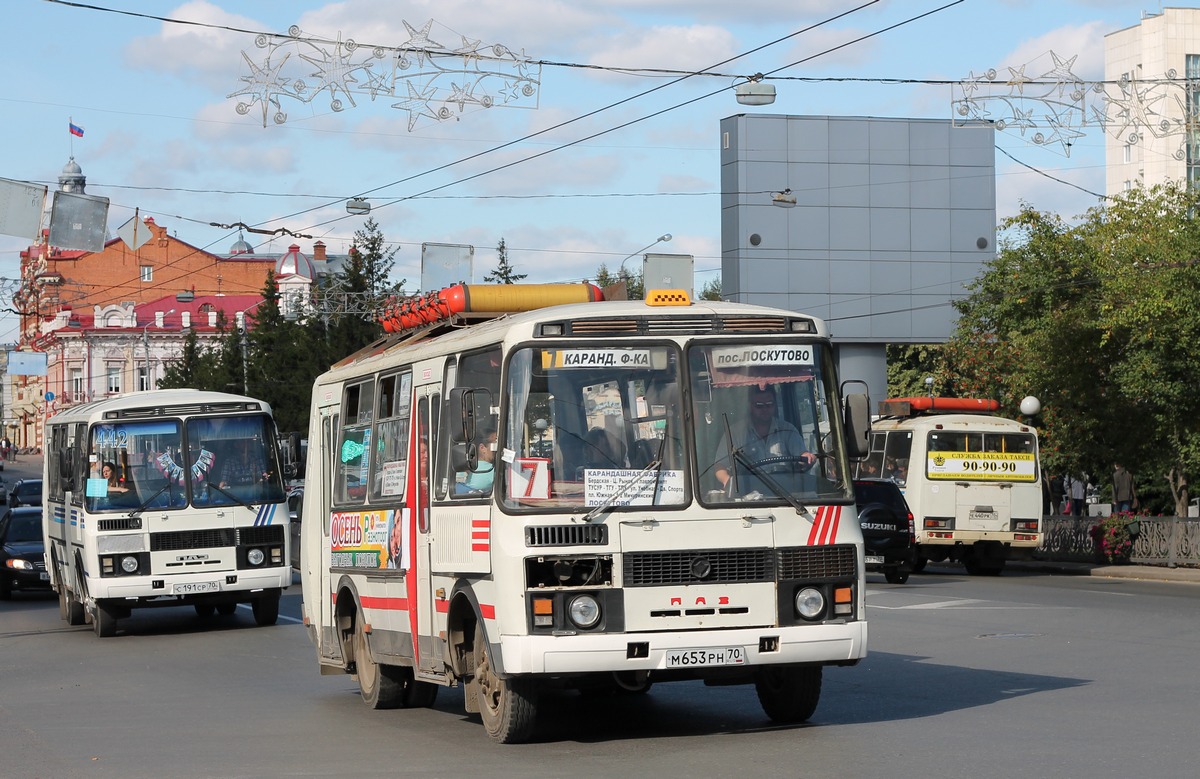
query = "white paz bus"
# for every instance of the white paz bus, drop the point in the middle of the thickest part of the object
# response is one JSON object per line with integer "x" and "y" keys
{"x": 510, "y": 501}
{"x": 164, "y": 498}
{"x": 971, "y": 478}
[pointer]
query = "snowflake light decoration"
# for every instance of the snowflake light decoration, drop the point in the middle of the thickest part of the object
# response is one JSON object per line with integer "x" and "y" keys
{"x": 1064, "y": 105}
{"x": 423, "y": 77}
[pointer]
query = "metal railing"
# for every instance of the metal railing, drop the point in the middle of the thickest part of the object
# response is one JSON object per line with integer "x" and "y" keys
{"x": 1168, "y": 541}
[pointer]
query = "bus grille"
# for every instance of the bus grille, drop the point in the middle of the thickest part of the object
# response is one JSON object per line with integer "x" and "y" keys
{"x": 700, "y": 566}
{"x": 678, "y": 325}
{"x": 818, "y": 562}
{"x": 192, "y": 539}
{"x": 265, "y": 534}
{"x": 120, "y": 523}
{"x": 566, "y": 535}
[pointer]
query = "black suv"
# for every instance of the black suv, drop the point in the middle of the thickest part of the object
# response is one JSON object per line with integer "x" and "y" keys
{"x": 887, "y": 528}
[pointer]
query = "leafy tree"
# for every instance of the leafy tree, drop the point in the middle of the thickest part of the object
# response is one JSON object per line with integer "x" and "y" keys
{"x": 908, "y": 365}
{"x": 711, "y": 289}
{"x": 1099, "y": 321}
{"x": 503, "y": 273}
{"x": 217, "y": 368}
{"x": 284, "y": 359}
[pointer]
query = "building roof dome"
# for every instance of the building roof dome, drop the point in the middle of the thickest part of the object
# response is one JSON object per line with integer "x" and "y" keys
{"x": 72, "y": 168}
{"x": 295, "y": 264}
{"x": 241, "y": 246}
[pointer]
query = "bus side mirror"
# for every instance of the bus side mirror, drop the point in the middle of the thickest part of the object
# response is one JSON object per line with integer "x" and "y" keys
{"x": 464, "y": 457}
{"x": 461, "y": 415}
{"x": 857, "y": 412}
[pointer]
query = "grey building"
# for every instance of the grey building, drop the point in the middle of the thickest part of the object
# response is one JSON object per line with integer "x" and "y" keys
{"x": 873, "y": 224}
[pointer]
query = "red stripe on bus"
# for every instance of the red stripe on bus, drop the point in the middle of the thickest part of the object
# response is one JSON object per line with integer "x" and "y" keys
{"x": 387, "y": 604}
{"x": 831, "y": 525}
{"x": 815, "y": 532}
{"x": 483, "y": 523}
{"x": 441, "y": 606}
{"x": 480, "y": 548}
{"x": 486, "y": 611}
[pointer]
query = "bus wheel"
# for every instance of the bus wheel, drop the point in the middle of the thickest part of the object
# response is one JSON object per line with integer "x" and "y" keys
{"x": 266, "y": 608}
{"x": 919, "y": 564}
{"x": 381, "y": 686}
{"x": 104, "y": 621}
{"x": 789, "y": 693}
{"x": 508, "y": 707}
{"x": 896, "y": 574}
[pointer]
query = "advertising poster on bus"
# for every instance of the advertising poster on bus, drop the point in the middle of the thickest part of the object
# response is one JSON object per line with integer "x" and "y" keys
{"x": 367, "y": 539}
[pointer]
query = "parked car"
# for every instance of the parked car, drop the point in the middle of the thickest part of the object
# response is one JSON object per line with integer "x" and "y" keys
{"x": 25, "y": 492}
{"x": 22, "y": 554}
{"x": 3, "y": 491}
{"x": 887, "y": 527}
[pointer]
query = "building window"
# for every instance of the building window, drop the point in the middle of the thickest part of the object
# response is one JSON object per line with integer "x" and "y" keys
{"x": 143, "y": 379}
{"x": 77, "y": 394}
{"x": 1128, "y": 153}
{"x": 1192, "y": 109}
{"x": 114, "y": 380}
{"x": 147, "y": 273}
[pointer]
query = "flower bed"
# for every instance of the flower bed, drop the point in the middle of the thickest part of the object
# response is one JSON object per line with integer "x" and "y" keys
{"x": 1114, "y": 536}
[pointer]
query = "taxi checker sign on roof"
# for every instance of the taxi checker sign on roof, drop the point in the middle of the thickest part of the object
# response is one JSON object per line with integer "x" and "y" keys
{"x": 736, "y": 356}
{"x": 597, "y": 358}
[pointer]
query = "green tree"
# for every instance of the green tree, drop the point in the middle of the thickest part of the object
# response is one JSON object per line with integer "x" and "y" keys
{"x": 503, "y": 272}
{"x": 284, "y": 358}
{"x": 711, "y": 289}
{"x": 633, "y": 281}
{"x": 908, "y": 365}
{"x": 1099, "y": 321}
{"x": 360, "y": 291}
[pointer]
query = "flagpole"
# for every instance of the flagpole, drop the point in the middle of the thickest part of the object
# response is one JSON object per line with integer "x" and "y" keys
{"x": 71, "y": 121}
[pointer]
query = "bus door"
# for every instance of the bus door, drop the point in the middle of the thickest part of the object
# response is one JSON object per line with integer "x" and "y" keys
{"x": 428, "y": 403}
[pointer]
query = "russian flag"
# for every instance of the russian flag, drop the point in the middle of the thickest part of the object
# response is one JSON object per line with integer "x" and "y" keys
{"x": 75, "y": 129}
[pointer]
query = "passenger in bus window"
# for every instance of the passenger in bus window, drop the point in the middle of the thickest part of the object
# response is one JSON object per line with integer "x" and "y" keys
{"x": 245, "y": 467}
{"x": 763, "y": 439}
{"x": 479, "y": 481}
{"x": 108, "y": 472}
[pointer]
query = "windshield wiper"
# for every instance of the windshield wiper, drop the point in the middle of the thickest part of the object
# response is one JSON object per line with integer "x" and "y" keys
{"x": 766, "y": 479}
{"x": 230, "y": 495}
{"x": 145, "y": 505}
{"x": 636, "y": 478}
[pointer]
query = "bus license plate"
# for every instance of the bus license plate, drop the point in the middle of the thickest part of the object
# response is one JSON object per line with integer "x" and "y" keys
{"x": 191, "y": 588}
{"x": 706, "y": 656}
{"x": 982, "y": 516}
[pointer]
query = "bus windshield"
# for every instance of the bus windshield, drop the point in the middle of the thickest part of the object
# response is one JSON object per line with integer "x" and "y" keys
{"x": 163, "y": 463}
{"x": 592, "y": 426}
{"x": 766, "y": 423}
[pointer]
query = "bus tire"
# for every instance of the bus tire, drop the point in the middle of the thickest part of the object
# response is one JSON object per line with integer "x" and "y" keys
{"x": 896, "y": 574}
{"x": 507, "y": 707}
{"x": 104, "y": 621}
{"x": 266, "y": 608}
{"x": 381, "y": 686}
{"x": 789, "y": 693}
{"x": 226, "y": 609}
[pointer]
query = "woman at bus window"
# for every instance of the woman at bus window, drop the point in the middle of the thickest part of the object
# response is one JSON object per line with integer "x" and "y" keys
{"x": 479, "y": 481}
{"x": 244, "y": 468}
{"x": 108, "y": 472}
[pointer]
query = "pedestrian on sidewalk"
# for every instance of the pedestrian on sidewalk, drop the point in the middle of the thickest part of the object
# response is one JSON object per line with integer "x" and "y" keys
{"x": 1076, "y": 489}
{"x": 1124, "y": 490}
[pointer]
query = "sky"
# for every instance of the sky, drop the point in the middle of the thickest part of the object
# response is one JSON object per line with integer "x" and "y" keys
{"x": 584, "y": 159}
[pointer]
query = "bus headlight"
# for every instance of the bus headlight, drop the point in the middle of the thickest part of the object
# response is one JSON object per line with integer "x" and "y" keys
{"x": 255, "y": 556}
{"x": 810, "y": 603}
{"x": 584, "y": 611}
{"x": 129, "y": 564}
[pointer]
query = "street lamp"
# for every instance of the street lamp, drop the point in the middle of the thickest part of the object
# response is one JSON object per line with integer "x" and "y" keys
{"x": 146, "y": 342}
{"x": 661, "y": 239}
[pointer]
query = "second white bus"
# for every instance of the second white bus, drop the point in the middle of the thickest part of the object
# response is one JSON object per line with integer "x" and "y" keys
{"x": 971, "y": 479}
{"x": 165, "y": 498}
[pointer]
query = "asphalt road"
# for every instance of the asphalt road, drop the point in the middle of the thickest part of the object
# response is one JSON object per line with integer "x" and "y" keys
{"x": 1025, "y": 675}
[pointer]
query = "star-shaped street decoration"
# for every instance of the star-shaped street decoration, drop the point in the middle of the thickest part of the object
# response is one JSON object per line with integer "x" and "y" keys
{"x": 417, "y": 105}
{"x": 419, "y": 42}
{"x": 262, "y": 86}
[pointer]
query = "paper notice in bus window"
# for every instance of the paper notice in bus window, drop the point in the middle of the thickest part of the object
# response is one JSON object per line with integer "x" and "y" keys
{"x": 393, "y": 478}
{"x": 982, "y": 466}
{"x": 96, "y": 488}
{"x": 529, "y": 478}
{"x": 596, "y": 358}
{"x": 631, "y": 487}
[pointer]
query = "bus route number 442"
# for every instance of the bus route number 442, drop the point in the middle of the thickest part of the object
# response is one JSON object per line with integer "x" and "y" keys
{"x": 705, "y": 656}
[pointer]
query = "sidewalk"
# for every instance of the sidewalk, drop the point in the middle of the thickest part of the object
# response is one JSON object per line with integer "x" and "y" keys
{"x": 1144, "y": 572}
